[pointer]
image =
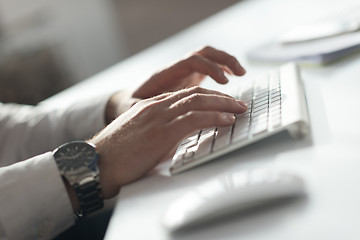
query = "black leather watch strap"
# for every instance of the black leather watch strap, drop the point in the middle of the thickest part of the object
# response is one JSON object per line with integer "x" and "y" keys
{"x": 89, "y": 198}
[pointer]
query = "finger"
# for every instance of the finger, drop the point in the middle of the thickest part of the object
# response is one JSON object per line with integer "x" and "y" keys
{"x": 195, "y": 120}
{"x": 164, "y": 101}
{"x": 175, "y": 96}
{"x": 205, "y": 102}
{"x": 162, "y": 96}
{"x": 222, "y": 58}
{"x": 226, "y": 69}
{"x": 150, "y": 101}
{"x": 199, "y": 64}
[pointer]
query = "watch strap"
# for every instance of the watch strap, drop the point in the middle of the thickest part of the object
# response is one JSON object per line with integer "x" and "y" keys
{"x": 89, "y": 197}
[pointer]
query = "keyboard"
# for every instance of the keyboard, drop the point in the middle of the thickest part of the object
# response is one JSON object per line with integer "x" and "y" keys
{"x": 276, "y": 102}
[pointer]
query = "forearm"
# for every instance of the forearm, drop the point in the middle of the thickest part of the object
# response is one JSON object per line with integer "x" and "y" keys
{"x": 35, "y": 189}
{"x": 27, "y": 131}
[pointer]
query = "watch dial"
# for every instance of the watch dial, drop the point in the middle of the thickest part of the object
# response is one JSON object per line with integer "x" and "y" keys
{"x": 74, "y": 156}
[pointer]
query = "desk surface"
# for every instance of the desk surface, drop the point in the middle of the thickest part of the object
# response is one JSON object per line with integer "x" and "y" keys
{"x": 329, "y": 159}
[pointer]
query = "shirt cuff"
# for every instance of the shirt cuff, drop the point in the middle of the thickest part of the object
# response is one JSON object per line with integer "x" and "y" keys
{"x": 35, "y": 203}
{"x": 84, "y": 119}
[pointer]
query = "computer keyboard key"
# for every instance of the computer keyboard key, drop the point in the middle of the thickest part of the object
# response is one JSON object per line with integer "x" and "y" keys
{"x": 205, "y": 142}
{"x": 176, "y": 163}
{"x": 204, "y": 147}
{"x": 240, "y": 129}
{"x": 275, "y": 103}
{"x": 190, "y": 141}
{"x": 207, "y": 132}
{"x": 275, "y": 98}
{"x": 242, "y": 121}
{"x": 274, "y": 113}
{"x": 261, "y": 112}
{"x": 263, "y": 93}
{"x": 259, "y": 127}
{"x": 189, "y": 153}
{"x": 275, "y": 90}
{"x": 266, "y": 115}
{"x": 241, "y": 136}
{"x": 275, "y": 122}
{"x": 189, "y": 144}
{"x": 223, "y": 138}
{"x": 179, "y": 153}
{"x": 263, "y": 103}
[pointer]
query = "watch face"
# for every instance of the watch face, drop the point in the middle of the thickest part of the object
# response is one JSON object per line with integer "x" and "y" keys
{"x": 74, "y": 156}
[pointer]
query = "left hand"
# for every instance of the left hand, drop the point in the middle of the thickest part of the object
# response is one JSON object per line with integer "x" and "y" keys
{"x": 190, "y": 72}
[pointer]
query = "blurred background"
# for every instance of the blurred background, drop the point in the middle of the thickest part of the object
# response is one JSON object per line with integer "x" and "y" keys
{"x": 49, "y": 45}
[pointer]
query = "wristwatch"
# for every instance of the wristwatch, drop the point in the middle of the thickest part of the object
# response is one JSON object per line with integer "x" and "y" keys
{"x": 77, "y": 163}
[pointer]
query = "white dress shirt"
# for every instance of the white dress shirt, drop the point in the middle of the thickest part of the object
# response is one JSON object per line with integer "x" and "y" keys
{"x": 34, "y": 203}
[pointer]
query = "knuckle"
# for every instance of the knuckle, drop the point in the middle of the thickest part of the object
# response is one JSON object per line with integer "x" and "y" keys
{"x": 193, "y": 58}
{"x": 192, "y": 116}
{"x": 214, "y": 117}
{"x": 196, "y": 89}
{"x": 228, "y": 100}
{"x": 231, "y": 104}
{"x": 218, "y": 116}
{"x": 145, "y": 111}
{"x": 218, "y": 71}
{"x": 150, "y": 107}
{"x": 195, "y": 97}
{"x": 232, "y": 60}
{"x": 189, "y": 64}
{"x": 206, "y": 48}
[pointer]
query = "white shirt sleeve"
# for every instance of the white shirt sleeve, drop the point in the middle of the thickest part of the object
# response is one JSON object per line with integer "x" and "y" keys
{"x": 26, "y": 131}
{"x": 34, "y": 203}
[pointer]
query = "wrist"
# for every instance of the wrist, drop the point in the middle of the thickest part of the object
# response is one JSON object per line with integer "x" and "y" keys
{"x": 78, "y": 165}
{"x": 119, "y": 103}
{"x": 108, "y": 188}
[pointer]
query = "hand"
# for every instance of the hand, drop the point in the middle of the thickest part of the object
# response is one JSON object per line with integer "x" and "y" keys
{"x": 186, "y": 73}
{"x": 190, "y": 72}
{"x": 119, "y": 103}
{"x": 139, "y": 139}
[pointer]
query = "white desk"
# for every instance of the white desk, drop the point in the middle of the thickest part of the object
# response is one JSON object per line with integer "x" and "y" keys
{"x": 329, "y": 159}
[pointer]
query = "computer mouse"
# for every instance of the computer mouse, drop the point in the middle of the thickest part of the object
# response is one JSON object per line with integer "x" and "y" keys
{"x": 231, "y": 193}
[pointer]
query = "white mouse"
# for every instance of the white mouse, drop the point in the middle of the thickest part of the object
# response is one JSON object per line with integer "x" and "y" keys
{"x": 232, "y": 192}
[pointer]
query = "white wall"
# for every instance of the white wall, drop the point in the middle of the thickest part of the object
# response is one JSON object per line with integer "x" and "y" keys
{"x": 83, "y": 33}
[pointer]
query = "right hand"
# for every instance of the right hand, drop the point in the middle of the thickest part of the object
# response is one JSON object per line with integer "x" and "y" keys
{"x": 139, "y": 139}
{"x": 190, "y": 72}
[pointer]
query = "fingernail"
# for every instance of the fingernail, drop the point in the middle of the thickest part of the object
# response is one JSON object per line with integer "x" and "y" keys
{"x": 242, "y": 104}
{"x": 229, "y": 117}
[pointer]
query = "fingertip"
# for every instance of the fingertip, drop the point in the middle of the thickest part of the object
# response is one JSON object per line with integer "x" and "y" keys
{"x": 222, "y": 79}
{"x": 242, "y": 104}
{"x": 239, "y": 69}
{"x": 228, "y": 118}
{"x": 243, "y": 71}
